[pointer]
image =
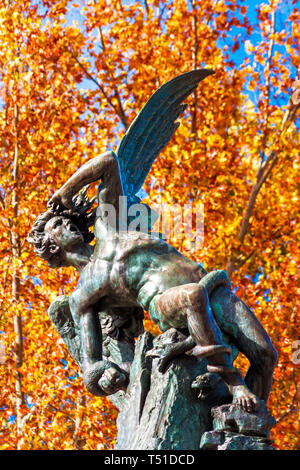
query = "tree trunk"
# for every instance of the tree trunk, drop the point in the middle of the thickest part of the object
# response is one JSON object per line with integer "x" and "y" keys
{"x": 16, "y": 252}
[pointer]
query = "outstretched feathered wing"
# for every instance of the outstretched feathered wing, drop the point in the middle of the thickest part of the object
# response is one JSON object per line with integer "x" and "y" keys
{"x": 152, "y": 129}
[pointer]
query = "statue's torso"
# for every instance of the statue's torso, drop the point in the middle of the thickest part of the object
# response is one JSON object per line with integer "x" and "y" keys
{"x": 130, "y": 268}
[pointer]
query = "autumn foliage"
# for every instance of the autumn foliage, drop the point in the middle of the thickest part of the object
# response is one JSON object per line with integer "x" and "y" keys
{"x": 69, "y": 89}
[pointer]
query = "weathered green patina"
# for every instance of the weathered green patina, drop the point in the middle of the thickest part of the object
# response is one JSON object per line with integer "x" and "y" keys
{"x": 128, "y": 271}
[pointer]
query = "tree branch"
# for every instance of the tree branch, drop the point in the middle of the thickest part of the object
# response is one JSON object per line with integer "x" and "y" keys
{"x": 267, "y": 166}
{"x": 3, "y": 287}
{"x": 195, "y": 57}
{"x": 268, "y": 86}
{"x": 15, "y": 293}
{"x": 146, "y": 6}
{"x": 62, "y": 412}
{"x": 78, "y": 443}
{"x": 119, "y": 111}
{"x": 2, "y": 202}
{"x": 292, "y": 406}
{"x": 212, "y": 14}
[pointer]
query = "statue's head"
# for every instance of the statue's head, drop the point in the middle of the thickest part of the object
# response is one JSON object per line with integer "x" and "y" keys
{"x": 53, "y": 234}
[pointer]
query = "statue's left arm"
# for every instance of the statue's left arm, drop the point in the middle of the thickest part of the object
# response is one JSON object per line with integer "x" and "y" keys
{"x": 103, "y": 167}
{"x": 101, "y": 377}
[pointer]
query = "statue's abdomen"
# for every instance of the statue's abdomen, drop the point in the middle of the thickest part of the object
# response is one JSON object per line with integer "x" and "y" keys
{"x": 155, "y": 268}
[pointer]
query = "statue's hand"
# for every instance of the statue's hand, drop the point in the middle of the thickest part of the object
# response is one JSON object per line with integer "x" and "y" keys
{"x": 59, "y": 202}
{"x": 165, "y": 352}
{"x": 105, "y": 378}
{"x": 168, "y": 351}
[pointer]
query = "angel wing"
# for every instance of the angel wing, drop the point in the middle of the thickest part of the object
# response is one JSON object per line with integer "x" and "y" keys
{"x": 152, "y": 129}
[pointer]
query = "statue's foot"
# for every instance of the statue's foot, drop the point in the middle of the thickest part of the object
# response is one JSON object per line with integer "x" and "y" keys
{"x": 244, "y": 398}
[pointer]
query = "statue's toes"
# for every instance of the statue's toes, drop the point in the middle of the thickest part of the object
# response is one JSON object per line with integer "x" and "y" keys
{"x": 241, "y": 402}
{"x": 253, "y": 404}
{"x": 247, "y": 403}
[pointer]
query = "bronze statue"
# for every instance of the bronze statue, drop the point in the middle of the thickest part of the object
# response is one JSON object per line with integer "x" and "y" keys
{"x": 127, "y": 272}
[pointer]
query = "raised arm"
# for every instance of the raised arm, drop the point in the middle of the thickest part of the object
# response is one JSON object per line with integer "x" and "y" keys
{"x": 104, "y": 167}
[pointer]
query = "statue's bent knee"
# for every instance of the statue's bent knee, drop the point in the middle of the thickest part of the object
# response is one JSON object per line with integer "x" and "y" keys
{"x": 215, "y": 279}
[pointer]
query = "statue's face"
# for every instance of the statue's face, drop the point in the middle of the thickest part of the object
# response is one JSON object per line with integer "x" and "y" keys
{"x": 64, "y": 232}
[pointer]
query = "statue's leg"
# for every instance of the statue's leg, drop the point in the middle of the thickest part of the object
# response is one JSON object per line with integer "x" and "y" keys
{"x": 248, "y": 335}
{"x": 189, "y": 303}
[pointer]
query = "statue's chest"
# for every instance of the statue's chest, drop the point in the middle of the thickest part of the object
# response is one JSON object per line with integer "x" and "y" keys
{"x": 120, "y": 289}
{"x": 103, "y": 278}
{"x": 95, "y": 278}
